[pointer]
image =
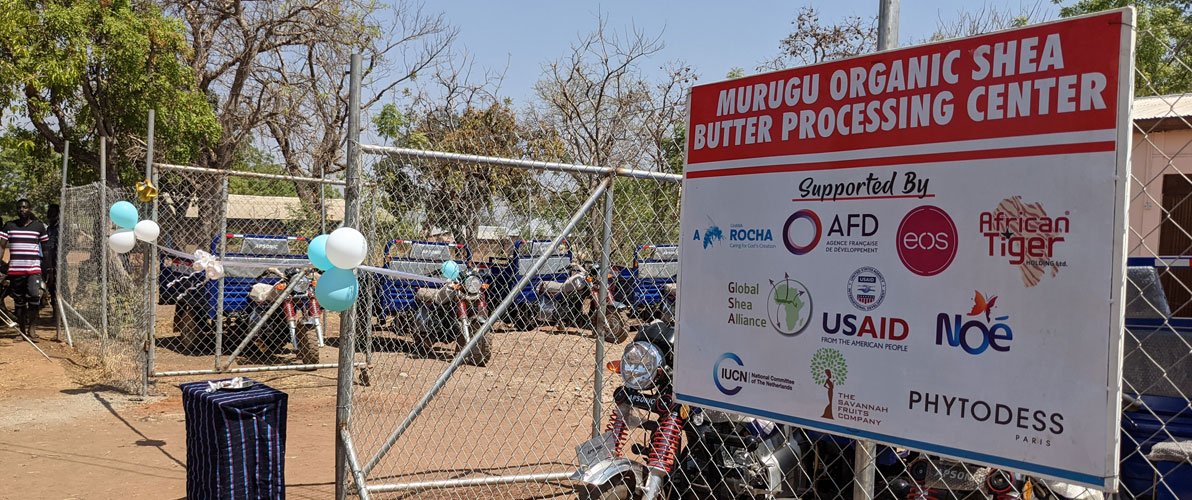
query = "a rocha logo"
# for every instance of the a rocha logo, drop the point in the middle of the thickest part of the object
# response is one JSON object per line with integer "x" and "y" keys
{"x": 711, "y": 235}
{"x": 735, "y": 377}
{"x": 973, "y": 335}
{"x": 927, "y": 240}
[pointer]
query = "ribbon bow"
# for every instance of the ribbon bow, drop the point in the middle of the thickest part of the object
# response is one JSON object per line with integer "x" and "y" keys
{"x": 207, "y": 263}
{"x": 145, "y": 191}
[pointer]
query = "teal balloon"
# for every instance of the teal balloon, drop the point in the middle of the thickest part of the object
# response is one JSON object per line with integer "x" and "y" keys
{"x": 316, "y": 251}
{"x": 450, "y": 270}
{"x": 124, "y": 214}
{"x": 337, "y": 289}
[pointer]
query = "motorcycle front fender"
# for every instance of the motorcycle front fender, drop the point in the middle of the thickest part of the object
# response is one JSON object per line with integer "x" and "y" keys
{"x": 605, "y": 470}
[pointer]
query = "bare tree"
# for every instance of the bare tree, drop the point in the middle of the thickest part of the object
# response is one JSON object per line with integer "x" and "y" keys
{"x": 985, "y": 19}
{"x": 813, "y": 42}
{"x": 277, "y": 70}
{"x": 602, "y": 104}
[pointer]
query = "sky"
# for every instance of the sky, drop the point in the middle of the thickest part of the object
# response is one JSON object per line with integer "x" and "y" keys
{"x": 712, "y": 36}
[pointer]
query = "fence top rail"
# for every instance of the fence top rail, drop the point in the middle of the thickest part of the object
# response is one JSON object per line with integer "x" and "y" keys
{"x": 257, "y": 175}
{"x": 527, "y": 164}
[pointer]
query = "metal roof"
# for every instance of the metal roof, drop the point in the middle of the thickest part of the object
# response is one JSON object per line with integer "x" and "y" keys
{"x": 1163, "y": 112}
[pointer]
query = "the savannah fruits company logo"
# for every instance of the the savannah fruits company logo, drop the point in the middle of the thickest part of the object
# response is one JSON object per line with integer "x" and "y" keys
{"x": 730, "y": 376}
{"x": 788, "y": 306}
{"x": 828, "y": 370}
{"x": 927, "y": 240}
{"x": 1024, "y": 235}
{"x": 846, "y": 233}
{"x": 976, "y": 331}
{"x": 866, "y": 288}
{"x": 739, "y": 236}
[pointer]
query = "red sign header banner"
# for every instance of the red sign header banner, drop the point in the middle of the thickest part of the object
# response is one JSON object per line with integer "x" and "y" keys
{"x": 1047, "y": 79}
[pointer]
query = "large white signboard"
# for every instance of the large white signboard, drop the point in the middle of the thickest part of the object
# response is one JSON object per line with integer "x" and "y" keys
{"x": 922, "y": 247}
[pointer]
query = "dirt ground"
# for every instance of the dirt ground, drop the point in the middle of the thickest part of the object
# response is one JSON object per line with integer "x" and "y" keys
{"x": 62, "y": 435}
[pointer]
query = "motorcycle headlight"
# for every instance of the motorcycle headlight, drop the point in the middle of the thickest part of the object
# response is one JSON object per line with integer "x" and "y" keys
{"x": 640, "y": 364}
{"x": 472, "y": 284}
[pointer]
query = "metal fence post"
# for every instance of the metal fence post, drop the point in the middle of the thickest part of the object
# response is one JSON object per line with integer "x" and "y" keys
{"x": 347, "y": 323}
{"x": 59, "y": 257}
{"x": 864, "y": 459}
{"x": 602, "y": 312}
{"x": 151, "y": 260}
{"x": 223, "y": 248}
{"x": 102, "y": 245}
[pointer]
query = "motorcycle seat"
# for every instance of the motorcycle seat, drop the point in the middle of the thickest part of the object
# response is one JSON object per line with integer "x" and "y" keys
{"x": 440, "y": 295}
{"x": 572, "y": 285}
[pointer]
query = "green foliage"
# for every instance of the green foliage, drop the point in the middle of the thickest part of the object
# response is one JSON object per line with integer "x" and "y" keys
{"x": 1164, "y": 42}
{"x": 454, "y": 196}
{"x": 31, "y": 170}
{"x": 78, "y": 69}
{"x": 828, "y": 359}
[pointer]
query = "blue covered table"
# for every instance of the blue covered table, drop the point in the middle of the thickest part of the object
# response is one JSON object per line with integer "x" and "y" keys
{"x": 235, "y": 442}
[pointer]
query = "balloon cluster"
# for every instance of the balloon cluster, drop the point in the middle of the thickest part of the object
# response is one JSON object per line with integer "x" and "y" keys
{"x": 337, "y": 254}
{"x": 124, "y": 214}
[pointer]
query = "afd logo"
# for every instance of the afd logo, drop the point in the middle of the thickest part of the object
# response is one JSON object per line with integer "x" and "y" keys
{"x": 725, "y": 374}
{"x": 738, "y": 235}
{"x": 973, "y": 335}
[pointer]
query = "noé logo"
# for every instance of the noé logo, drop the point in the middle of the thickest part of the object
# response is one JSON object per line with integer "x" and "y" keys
{"x": 729, "y": 379}
{"x": 975, "y": 336}
{"x": 927, "y": 240}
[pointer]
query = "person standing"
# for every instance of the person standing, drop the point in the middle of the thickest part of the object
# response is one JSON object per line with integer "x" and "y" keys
{"x": 23, "y": 238}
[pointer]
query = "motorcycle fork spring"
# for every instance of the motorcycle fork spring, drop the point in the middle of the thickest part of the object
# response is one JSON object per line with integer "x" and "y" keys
{"x": 289, "y": 307}
{"x": 665, "y": 443}
{"x": 617, "y": 425}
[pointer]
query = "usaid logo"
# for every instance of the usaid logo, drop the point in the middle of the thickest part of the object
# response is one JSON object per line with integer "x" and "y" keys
{"x": 866, "y": 288}
{"x": 729, "y": 379}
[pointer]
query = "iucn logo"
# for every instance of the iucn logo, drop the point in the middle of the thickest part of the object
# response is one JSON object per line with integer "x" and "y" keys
{"x": 729, "y": 379}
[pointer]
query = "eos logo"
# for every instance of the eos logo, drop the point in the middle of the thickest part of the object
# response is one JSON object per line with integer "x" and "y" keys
{"x": 735, "y": 377}
{"x": 974, "y": 335}
{"x": 927, "y": 241}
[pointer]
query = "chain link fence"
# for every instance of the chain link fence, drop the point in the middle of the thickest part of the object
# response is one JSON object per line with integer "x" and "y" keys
{"x": 158, "y": 315}
{"x": 93, "y": 280}
{"x": 518, "y": 421}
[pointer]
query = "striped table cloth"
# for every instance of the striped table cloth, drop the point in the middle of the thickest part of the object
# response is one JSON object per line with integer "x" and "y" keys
{"x": 235, "y": 442}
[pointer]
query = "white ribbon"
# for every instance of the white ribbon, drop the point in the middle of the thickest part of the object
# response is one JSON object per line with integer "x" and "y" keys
{"x": 206, "y": 262}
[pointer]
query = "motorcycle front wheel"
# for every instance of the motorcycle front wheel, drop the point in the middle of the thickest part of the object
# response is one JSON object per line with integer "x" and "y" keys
{"x": 308, "y": 344}
{"x": 618, "y": 326}
{"x": 483, "y": 350}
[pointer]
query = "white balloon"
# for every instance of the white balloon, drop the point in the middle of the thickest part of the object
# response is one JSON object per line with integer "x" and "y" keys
{"x": 346, "y": 248}
{"x": 122, "y": 241}
{"x": 147, "y": 230}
